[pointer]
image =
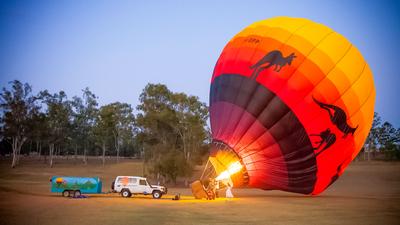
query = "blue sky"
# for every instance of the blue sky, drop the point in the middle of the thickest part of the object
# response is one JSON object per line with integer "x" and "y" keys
{"x": 117, "y": 47}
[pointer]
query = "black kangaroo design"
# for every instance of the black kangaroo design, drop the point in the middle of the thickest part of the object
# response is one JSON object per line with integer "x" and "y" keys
{"x": 336, "y": 176}
{"x": 327, "y": 137}
{"x": 338, "y": 118}
{"x": 273, "y": 58}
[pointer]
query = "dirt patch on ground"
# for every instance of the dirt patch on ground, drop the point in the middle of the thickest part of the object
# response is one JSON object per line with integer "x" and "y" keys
{"x": 367, "y": 193}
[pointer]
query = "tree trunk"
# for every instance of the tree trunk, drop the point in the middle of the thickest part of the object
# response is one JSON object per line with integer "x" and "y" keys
{"x": 51, "y": 151}
{"x": 144, "y": 162}
{"x": 16, "y": 147}
{"x": 30, "y": 148}
{"x": 40, "y": 149}
{"x": 37, "y": 148}
{"x": 84, "y": 154}
{"x": 368, "y": 155}
{"x": 57, "y": 152}
{"x": 118, "y": 154}
{"x": 143, "y": 168}
{"x": 18, "y": 153}
{"x": 104, "y": 153}
{"x": 116, "y": 144}
{"x": 76, "y": 152}
{"x": 117, "y": 148}
{"x": 45, "y": 157}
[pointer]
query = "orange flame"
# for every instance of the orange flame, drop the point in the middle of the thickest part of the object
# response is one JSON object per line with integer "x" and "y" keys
{"x": 232, "y": 169}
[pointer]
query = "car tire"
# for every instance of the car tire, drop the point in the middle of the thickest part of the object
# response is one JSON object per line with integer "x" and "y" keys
{"x": 126, "y": 193}
{"x": 66, "y": 194}
{"x": 157, "y": 194}
{"x": 77, "y": 194}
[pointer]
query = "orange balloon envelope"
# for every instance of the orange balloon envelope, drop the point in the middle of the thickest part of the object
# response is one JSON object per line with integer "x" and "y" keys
{"x": 293, "y": 102}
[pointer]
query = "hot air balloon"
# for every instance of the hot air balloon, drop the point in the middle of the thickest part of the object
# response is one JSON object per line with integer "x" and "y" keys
{"x": 291, "y": 104}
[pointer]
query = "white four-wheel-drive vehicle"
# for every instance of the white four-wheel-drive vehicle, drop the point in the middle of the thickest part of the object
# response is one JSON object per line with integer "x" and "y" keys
{"x": 131, "y": 185}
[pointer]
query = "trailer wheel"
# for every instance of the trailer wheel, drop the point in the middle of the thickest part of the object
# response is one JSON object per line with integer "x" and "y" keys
{"x": 126, "y": 193}
{"x": 77, "y": 193}
{"x": 157, "y": 194}
{"x": 65, "y": 193}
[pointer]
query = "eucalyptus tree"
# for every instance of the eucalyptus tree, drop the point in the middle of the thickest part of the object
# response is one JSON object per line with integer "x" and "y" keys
{"x": 58, "y": 119}
{"x": 172, "y": 127}
{"x": 18, "y": 107}
{"x": 389, "y": 140}
{"x": 155, "y": 123}
{"x": 372, "y": 141}
{"x": 77, "y": 131}
{"x": 122, "y": 124}
{"x": 192, "y": 118}
{"x": 85, "y": 112}
{"x": 103, "y": 129}
{"x": 39, "y": 131}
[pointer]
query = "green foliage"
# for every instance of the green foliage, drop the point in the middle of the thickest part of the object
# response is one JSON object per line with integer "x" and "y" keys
{"x": 58, "y": 116}
{"x": 114, "y": 124}
{"x": 372, "y": 139}
{"x": 18, "y": 113}
{"x": 115, "y": 120}
{"x": 172, "y": 165}
{"x": 172, "y": 131}
{"x": 384, "y": 138}
{"x": 389, "y": 141}
{"x": 84, "y": 116}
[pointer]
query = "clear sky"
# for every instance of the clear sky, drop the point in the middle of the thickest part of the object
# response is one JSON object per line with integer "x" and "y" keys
{"x": 117, "y": 47}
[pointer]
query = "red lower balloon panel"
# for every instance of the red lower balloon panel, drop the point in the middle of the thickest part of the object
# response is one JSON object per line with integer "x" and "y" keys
{"x": 267, "y": 137}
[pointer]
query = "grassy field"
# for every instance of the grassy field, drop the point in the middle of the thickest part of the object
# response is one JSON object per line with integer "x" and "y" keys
{"x": 367, "y": 193}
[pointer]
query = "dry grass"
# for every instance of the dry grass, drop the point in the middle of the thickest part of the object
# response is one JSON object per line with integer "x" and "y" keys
{"x": 368, "y": 193}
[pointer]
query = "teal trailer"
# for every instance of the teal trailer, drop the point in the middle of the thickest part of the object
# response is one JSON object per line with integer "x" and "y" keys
{"x": 75, "y": 186}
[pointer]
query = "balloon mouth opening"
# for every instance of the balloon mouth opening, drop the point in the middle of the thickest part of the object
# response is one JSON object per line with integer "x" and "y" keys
{"x": 225, "y": 166}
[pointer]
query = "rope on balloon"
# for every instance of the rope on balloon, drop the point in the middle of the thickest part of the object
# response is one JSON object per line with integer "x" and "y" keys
{"x": 204, "y": 170}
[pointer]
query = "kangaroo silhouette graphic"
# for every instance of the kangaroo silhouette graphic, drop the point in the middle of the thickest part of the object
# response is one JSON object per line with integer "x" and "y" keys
{"x": 327, "y": 137}
{"x": 338, "y": 118}
{"x": 273, "y": 58}
{"x": 336, "y": 176}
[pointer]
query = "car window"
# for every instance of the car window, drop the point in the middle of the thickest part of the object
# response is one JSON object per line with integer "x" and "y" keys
{"x": 123, "y": 180}
{"x": 132, "y": 180}
{"x": 142, "y": 182}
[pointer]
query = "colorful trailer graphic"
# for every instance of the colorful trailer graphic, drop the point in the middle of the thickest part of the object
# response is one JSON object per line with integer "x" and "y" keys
{"x": 75, "y": 186}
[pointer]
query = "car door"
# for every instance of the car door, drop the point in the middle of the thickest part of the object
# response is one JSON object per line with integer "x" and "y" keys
{"x": 149, "y": 189}
{"x": 143, "y": 186}
{"x": 132, "y": 184}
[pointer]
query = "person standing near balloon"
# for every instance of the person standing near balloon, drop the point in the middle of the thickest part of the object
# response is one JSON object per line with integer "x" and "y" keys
{"x": 228, "y": 193}
{"x": 211, "y": 189}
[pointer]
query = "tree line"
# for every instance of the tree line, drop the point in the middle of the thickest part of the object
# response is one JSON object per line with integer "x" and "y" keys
{"x": 169, "y": 130}
{"x": 383, "y": 139}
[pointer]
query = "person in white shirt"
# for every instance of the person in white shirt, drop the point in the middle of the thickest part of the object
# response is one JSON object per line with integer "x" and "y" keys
{"x": 228, "y": 193}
